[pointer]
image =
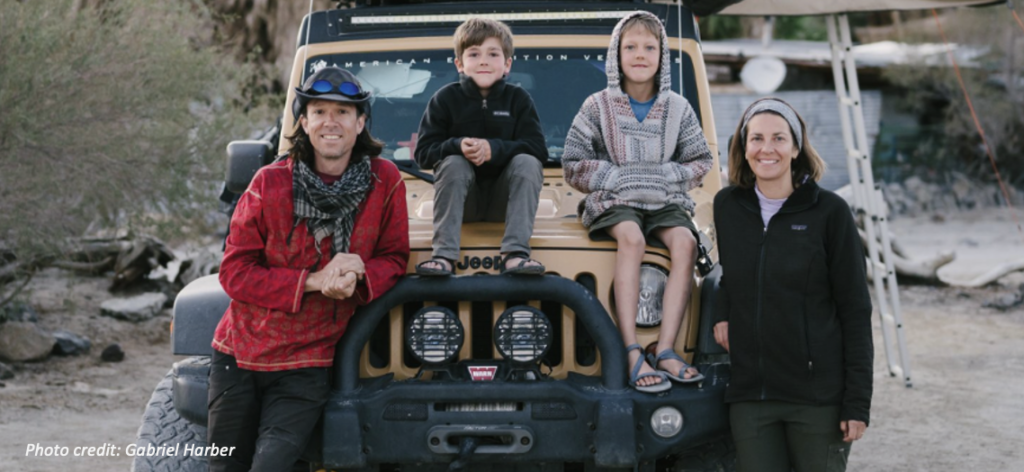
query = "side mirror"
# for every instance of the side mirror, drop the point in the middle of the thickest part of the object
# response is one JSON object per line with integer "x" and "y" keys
{"x": 244, "y": 159}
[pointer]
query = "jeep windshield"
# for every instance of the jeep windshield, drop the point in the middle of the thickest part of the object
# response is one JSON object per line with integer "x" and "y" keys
{"x": 402, "y": 82}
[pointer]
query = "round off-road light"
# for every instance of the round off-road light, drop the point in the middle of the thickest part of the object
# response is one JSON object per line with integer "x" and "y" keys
{"x": 434, "y": 335}
{"x": 652, "y": 292}
{"x": 666, "y": 422}
{"x": 522, "y": 334}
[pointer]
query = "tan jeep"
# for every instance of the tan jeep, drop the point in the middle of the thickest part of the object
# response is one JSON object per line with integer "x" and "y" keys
{"x": 497, "y": 372}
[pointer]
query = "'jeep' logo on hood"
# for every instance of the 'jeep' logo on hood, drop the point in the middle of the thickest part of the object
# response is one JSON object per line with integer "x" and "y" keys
{"x": 482, "y": 373}
{"x": 487, "y": 262}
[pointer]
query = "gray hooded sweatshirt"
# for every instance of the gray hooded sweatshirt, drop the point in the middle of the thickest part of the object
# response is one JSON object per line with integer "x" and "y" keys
{"x": 618, "y": 160}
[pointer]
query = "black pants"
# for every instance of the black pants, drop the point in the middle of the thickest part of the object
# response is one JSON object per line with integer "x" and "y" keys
{"x": 774, "y": 436}
{"x": 266, "y": 416}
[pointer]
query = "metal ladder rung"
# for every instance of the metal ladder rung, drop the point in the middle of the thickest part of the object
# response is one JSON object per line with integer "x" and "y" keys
{"x": 866, "y": 194}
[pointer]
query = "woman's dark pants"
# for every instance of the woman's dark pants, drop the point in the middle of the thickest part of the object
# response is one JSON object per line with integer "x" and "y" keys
{"x": 773, "y": 436}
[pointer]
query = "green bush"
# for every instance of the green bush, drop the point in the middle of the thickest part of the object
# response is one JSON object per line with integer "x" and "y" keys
{"x": 112, "y": 116}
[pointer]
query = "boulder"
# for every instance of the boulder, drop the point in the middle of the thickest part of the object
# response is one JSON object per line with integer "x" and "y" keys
{"x": 1007, "y": 301}
{"x": 112, "y": 353}
{"x": 137, "y": 308}
{"x": 70, "y": 344}
{"x": 6, "y": 372}
{"x": 18, "y": 311}
{"x": 23, "y": 341}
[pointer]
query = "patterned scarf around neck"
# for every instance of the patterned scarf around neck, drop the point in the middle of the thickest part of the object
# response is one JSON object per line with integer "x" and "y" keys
{"x": 330, "y": 209}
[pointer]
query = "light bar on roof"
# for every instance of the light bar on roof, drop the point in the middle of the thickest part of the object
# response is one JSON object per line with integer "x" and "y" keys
{"x": 461, "y": 17}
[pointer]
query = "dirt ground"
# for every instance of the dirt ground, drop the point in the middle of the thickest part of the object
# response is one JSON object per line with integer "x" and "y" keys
{"x": 964, "y": 412}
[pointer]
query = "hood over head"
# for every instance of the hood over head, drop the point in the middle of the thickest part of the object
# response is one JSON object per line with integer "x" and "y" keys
{"x": 611, "y": 65}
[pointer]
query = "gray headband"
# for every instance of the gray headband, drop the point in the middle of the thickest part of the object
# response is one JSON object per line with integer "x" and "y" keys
{"x": 777, "y": 107}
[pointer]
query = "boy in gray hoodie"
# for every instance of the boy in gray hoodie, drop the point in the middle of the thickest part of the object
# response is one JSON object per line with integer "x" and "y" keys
{"x": 637, "y": 148}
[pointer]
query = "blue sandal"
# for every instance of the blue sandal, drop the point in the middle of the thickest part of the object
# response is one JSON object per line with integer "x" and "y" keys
{"x": 670, "y": 354}
{"x": 635, "y": 374}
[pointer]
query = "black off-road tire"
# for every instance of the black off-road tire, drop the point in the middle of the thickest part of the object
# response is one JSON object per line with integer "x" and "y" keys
{"x": 161, "y": 426}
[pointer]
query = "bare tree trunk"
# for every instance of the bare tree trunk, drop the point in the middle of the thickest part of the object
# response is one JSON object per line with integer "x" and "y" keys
{"x": 897, "y": 23}
{"x": 268, "y": 26}
{"x": 988, "y": 277}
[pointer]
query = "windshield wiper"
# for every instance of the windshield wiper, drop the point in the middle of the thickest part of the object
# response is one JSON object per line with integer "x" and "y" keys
{"x": 410, "y": 167}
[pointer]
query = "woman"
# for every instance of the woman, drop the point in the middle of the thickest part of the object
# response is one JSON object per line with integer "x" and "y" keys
{"x": 795, "y": 303}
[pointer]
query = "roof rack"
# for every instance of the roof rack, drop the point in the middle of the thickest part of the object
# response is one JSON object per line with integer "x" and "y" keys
{"x": 431, "y": 18}
{"x": 385, "y": 3}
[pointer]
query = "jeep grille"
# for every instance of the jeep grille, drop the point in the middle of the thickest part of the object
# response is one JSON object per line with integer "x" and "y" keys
{"x": 572, "y": 348}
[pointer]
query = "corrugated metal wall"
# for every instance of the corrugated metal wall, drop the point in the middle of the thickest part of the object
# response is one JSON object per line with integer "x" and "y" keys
{"x": 820, "y": 110}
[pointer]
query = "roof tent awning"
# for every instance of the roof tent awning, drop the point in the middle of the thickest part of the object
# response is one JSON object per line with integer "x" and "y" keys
{"x": 816, "y": 7}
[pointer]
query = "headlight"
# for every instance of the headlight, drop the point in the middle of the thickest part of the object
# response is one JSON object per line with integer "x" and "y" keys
{"x": 652, "y": 292}
{"x": 522, "y": 334}
{"x": 666, "y": 422}
{"x": 434, "y": 335}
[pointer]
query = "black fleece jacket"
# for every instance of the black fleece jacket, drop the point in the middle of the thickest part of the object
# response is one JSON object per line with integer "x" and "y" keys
{"x": 796, "y": 298}
{"x": 507, "y": 119}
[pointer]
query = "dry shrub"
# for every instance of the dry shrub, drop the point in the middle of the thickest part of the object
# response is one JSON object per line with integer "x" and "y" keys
{"x": 996, "y": 87}
{"x": 112, "y": 114}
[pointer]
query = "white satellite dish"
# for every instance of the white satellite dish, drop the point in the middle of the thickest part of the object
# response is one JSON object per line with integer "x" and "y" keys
{"x": 763, "y": 74}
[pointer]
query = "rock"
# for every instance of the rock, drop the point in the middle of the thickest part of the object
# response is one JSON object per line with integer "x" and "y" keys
{"x": 18, "y": 311}
{"x": 23, "y": 341}
{"x": 5, "y": 372}
{"x": 82, "y": 387}
{"x": 70, "y": 344}
{"x": 952, "y": 191}
{"x": 967, "y": 242}
{"x": 962, "y": 190}
{"x": 1006, "y": 301}
{"x": 112, "y": 353}
{"x": 137, "y": 308}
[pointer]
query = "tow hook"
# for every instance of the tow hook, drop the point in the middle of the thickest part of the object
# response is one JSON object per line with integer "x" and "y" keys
{"x": 464, "y": 441}
{"x": 467, "y": 446}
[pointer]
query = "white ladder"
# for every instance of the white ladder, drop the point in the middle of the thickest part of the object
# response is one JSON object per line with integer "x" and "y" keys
{"x": 867, "y": 197}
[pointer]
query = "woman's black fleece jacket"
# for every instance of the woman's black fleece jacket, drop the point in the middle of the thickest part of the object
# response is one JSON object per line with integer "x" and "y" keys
{"x": 796, "y": 298}
{"x": 507, "y": 119}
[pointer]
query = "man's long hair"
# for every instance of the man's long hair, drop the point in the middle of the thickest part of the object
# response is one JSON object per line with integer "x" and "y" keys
{"x": 302, "y": 148}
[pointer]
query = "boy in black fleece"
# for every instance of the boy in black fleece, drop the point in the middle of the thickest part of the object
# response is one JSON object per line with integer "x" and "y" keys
{"x": 482, "y": 137}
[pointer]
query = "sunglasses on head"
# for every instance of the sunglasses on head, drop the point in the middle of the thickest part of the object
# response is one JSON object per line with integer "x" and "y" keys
{"x": 348, "y": 89}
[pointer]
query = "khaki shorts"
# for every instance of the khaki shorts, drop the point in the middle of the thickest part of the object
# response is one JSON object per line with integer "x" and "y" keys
{"x": 668, "y": 216}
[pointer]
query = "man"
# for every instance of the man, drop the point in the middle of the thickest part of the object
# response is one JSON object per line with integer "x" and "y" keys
{"x": 313, "y": 236}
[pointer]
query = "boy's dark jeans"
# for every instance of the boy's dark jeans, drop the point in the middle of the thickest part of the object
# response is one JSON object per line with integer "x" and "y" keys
{"x": 266, "y": 416}
{"x": 511, "y": 197}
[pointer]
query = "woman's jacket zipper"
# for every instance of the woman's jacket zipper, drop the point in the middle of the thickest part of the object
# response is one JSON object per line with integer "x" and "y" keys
{"x": 760, "y": 284}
